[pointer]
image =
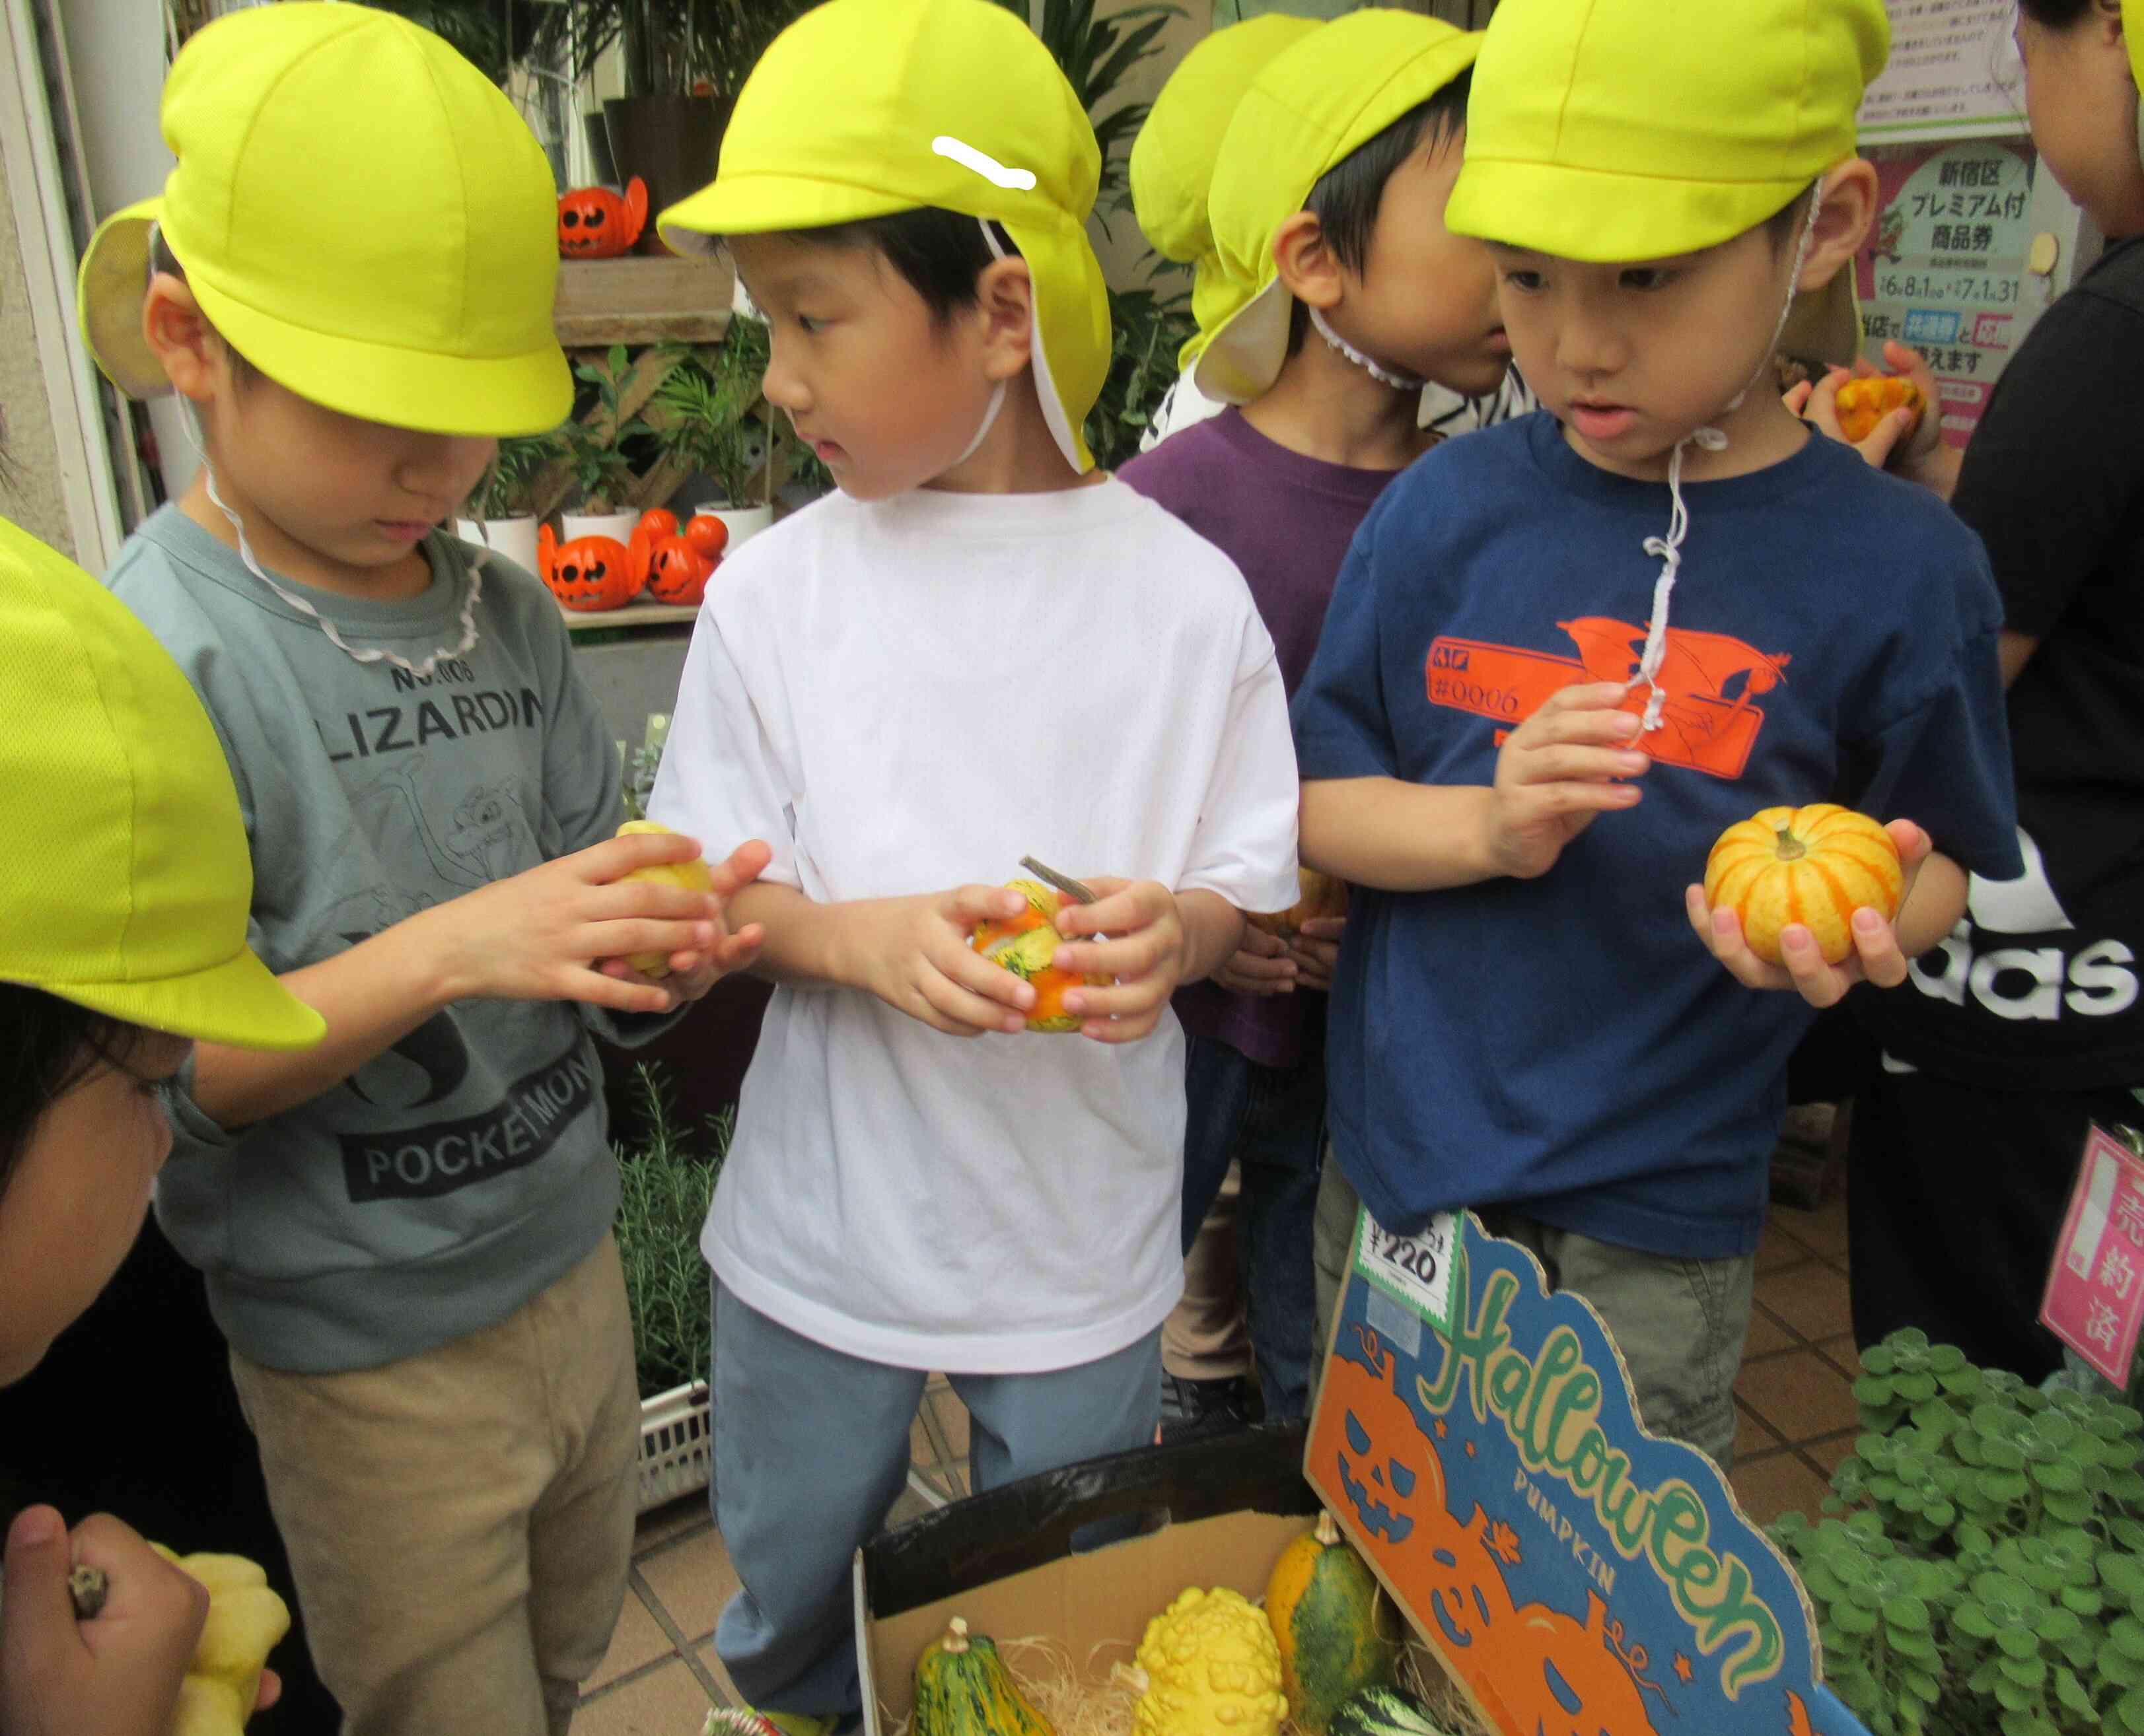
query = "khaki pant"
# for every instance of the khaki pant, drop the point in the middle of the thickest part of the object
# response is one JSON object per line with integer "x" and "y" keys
{"x": 1206, "y": 1338}
{"x": 1679, "y": 1323}
{"x": 460, "y": 1524}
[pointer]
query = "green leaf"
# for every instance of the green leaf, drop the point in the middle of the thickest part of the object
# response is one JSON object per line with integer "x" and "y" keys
{"x": 2071, "y": 1692}
{"x": 2014, "y": 1698}
{"x": 2017, "y": 1643}
{"x": 2059, "y": 1624}
{"x": 2026, "y": 1672}
{"x": 1970, "y": 1618}
{"x": 1852, "y": 1618}
{"x": 2127, "y": 1634}
{"x": 1908, "y": 1614}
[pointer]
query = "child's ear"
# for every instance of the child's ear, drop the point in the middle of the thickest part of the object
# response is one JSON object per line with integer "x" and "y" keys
{"x": 181, "y": 337}
{"x": 1004, "y": 295}
{"x": 1309, "y": 269}
{"x": 1842, "y": 222}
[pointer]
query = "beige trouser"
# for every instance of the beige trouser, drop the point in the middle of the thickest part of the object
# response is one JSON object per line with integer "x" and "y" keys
{"x": 1206, "y": 1338}
{"x": 460, "y": 1524}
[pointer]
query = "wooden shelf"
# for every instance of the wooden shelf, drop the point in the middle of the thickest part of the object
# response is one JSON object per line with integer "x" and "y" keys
{"x": 643, "y": 299}
{"x": 633, "y": 614}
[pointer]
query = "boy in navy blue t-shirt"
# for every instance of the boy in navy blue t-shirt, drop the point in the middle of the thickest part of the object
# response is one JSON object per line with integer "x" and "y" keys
{"x": 1521, "y": 764}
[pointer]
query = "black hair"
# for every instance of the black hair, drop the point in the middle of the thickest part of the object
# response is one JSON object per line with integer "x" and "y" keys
{"x": 1346, "y": 198}
{"x": 2056, "y": 14}
{"x": 47, "y": 1047}
{"x": 243, "y": 373}
{"x": 939, "y": 254}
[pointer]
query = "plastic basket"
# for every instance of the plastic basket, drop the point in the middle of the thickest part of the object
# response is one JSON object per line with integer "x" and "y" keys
{"x": 677, "y": 1444}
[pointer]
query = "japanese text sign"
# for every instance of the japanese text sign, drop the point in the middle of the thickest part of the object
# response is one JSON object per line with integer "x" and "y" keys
{"x": 2095, "y": 1297}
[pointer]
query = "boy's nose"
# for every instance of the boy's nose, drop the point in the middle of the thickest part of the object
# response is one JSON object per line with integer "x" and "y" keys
{"x": 1590, "y": 347}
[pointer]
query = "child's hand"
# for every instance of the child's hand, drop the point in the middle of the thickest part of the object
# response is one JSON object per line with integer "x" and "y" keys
{"x": 118, "y": 1674}
{"x": 692, "y": 973}
{"x": 1316, "y": 951}
{"x": 1556, "y": 771}
{"x": 1877, "y": 957}
{"x": 1261, "y": 965}
{"x": 1144, "y": 953}
{"x": 918, "y": 961}
{"x": 540, "y": 935}
{"x": 1888, "y": 443}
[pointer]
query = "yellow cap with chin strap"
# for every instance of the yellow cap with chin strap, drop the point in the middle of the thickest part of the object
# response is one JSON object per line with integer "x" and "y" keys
{"x": 862, "y": 108}
{"x": 2132, "y": 35}
{"x": 360, "y": 213}
{"x": 1174, "y": 158}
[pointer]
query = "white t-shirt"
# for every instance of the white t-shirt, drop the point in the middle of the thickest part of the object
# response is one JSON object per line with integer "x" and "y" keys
{"x": 909, "y": 696}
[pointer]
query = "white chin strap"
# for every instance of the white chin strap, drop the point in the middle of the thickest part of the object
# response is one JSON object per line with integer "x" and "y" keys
{"x": 189, "y": 419}
{"x": 1668, "y": 549}
{"x": 997, "y": 392}
{"x": 1383, "y": 376}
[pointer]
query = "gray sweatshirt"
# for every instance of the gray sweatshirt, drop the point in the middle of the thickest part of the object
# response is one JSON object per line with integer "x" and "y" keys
{"x": 454, "y": 1176}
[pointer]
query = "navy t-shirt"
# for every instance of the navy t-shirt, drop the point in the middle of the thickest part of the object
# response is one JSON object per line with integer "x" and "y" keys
{"x": 1566, "y": 1044}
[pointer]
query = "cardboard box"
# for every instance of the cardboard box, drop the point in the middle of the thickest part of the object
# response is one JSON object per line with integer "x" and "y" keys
{"x": 1207, "y": 1513}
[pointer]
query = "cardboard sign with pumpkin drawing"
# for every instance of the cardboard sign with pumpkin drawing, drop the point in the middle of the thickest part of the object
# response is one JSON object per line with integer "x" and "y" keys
{"x": 1476, "y": 1439}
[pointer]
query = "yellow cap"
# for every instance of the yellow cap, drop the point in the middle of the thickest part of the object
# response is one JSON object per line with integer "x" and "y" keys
{"x": 1173, "y": 157}
{"x": 862, "y": 108}
{"x": 2132, "y": 35}
{"x": 1313, "y": 107}
{"x": 360, "y": 213}
{"x": 125, "y": 881}
{"x": 1620, "y": 130}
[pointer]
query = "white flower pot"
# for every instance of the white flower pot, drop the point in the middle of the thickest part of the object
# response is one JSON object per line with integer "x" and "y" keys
{"x": 745, "y": 522}
{"x": 573, "y": 526}
{"x": 512, "y": 540}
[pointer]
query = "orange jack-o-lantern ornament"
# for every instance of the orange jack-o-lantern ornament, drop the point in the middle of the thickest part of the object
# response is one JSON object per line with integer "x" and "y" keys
{"x": 596, "y": 223}
{"x": 678, "y": 572}
{"x": 589, "y": 573}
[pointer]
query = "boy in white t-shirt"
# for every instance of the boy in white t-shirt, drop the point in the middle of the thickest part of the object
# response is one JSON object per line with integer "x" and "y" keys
{"x": 980, "y": 649}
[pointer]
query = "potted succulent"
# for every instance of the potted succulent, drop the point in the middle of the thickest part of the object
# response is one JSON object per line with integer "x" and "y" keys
{"x": 501, "y": 514}
{"x": 602, "y": 473}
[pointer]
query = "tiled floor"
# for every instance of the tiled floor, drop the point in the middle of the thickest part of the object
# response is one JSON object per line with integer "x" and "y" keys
{"x": 1795, "y": 1397}
{"x": 1794, "y": 1400}
{"x": 662, "y": 1674}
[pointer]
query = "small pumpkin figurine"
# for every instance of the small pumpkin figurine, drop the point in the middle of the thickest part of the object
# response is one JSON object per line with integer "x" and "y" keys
{"x": 708, "y": 533}
{"x": 678, "y": 572}
{"x": 1317, "y": 896}
{"x": 1862, "y": 403}
{"x": 1025, "y": 945}
{"x": 589, "y": 573}
{"x": 596, "y": 223}
{"x": 1815, "y": 865}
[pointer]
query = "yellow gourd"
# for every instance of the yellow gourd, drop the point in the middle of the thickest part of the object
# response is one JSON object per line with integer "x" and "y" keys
{"x": 245, "y": 1619}
{"x": 693, "y": 876}
{"x": 1207, "y": 1666}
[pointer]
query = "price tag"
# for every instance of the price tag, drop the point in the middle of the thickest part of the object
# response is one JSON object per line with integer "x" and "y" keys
{"x": 1418, "y": 1271}
{"x": 2095, "y": 1296}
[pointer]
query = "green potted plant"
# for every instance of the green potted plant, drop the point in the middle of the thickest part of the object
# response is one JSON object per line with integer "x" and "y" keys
{"x": 501, "y": 514}
{"x": 602, "y": 475}
{"x": 665, "y": 1181}
{"x": 708, "y": 418}
{"x": 683, "y": 62}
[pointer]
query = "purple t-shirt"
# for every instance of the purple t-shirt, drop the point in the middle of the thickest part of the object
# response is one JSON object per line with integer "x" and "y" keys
{"x": 1286, "y": 520}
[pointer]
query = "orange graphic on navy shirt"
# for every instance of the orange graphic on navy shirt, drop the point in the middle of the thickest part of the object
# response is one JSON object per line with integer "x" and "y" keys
{"x": 1708, "y": 724}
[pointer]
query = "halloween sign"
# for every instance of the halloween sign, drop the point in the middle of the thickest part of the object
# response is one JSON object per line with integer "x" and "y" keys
{"x": 1477, "y": 1438}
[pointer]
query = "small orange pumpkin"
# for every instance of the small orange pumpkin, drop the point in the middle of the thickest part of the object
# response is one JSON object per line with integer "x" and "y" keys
{"x": 596, "y": 223}
{"x": 707, "y": 533}
{"x": 1815, "y": 865}
{"x": 658, "y": 521}
{"x": 1862, "y": 403}
{"x": 1025, "y": 945}
{"x": 589, "y": 573}
{"x": 1317, "y": 896}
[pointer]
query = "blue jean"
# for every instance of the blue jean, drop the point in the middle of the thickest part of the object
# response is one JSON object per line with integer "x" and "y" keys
{"x": 1271, "y": 1120}
{"x": 812, "y": 1449}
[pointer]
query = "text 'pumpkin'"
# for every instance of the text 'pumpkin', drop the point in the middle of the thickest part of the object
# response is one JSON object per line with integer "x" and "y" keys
{"x": 1815, "y": 865}
{"x": 1025, "y": 945}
